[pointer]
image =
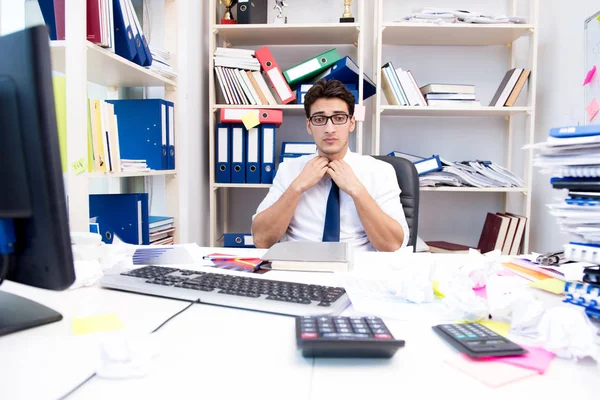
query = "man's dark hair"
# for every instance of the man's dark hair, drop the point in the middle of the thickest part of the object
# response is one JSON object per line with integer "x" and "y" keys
{"x": 328, "y": 89}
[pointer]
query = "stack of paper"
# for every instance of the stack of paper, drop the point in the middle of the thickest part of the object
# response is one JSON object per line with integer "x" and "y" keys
{"x": 482, "y": 174}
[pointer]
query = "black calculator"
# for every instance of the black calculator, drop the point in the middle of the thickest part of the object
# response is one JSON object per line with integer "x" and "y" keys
{"x": 476, "y": 340}
{"x": 345, "y": 337}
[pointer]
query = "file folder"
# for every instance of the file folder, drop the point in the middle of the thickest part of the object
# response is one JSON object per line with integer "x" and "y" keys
{"x": 298, "y": 148}
{"x": 47, "y": 9}
{"x": 252, "y": 11}
{"x": 238, "y": 156}
{"x": 140, "y": 124}
{"x": 99, "y": 226}
{"x": 123, "y": 35}
{"x": 253, "y": 155}
{"x": 273, "y": 72}
{"x": 265, "y": 116}
{"x": 268, "y": 153}
{"x": 171, "y": 135}
{"x": 140, "y": 53}
{"x": 223, "y": 170}
{"x": 346, "y": 70}
{"x": 575, "y": 131}
{"x": 238, "y": 240}
{"x": 309, "y": 68}
{"x": 126, "y": 213}
{"x": 164, "y": 134}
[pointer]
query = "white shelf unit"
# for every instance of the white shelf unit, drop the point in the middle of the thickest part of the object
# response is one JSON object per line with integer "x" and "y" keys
{"x": 269, "y": 35}
{"x": 83, "y": 62}
{"x": 461, "y": 34}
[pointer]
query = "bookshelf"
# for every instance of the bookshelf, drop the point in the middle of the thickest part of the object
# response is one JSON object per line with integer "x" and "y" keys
{"x": 519, "y": 125}
{"x": 83, "y": 62}
{"x": 255, "y": 36}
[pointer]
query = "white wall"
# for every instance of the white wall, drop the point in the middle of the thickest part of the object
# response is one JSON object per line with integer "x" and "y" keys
{"x": 559, "y": 99}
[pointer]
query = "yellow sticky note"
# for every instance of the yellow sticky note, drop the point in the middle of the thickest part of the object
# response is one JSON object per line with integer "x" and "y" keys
{"x": 96, "y": 323}
{"x": 598, "y": 17}
{"x": 250, "y": 119}
{"x": 79, "y": 166}
{"x": 551, "y": 285}
{"x": 501, "y": 328}
{"x": 436, "y": 289}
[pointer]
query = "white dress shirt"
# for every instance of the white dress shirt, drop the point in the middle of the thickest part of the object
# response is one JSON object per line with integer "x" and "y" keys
{"x": 308, "y": 221}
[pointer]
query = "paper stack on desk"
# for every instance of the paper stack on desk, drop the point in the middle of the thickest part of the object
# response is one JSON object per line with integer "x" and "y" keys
{"x": 309, "y": 256}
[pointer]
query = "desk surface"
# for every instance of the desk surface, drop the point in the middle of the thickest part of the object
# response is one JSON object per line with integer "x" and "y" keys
{"x": 217, "y": 352}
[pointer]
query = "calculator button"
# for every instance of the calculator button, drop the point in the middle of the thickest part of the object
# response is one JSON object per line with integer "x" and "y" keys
{"x": 386, "y": 336}
{"x": 344, "y": 330}
{"x": 361, "y": 330}
{"x": 309, "y": 335}
{"x": 376, "y": 331}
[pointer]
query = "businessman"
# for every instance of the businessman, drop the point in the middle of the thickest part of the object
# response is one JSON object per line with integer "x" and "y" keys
{"x": 334, "y": 195}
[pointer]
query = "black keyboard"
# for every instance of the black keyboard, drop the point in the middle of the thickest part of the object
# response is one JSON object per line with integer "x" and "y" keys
{"x": 232, "y": 290}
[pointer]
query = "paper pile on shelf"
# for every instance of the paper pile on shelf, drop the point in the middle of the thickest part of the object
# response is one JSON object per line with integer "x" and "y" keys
{"x": 436, "y": 15}
{"x": 481, "y": 174}
{"x": 161, "y": 64}
{"x": 134, "y": 166}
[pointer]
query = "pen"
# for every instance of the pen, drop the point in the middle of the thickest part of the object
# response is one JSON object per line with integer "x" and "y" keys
{"x": 228, "y": 257}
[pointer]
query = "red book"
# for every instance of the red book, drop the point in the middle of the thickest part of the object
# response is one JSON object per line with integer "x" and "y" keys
{"x": 59, "y": 17}
{"x": 94, "y": 21}
{"x": 447, "y": 247}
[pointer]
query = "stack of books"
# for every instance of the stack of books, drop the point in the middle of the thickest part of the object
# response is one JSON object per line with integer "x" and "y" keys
{"x": 134, "y": 166}
{"x": 502, "y": 231}
{"x": 507, "y": 93}
{"x": 161, "y": 230}
{"x": 572, "y": 156}
{"x": 450, "y": 95}
{"x": 161, "y": 64}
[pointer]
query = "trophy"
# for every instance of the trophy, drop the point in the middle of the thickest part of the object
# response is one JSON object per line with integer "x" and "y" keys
{"x": 227, "y": 17}
{"x": 347, "y": 15}
{"x": 280, "y": 18}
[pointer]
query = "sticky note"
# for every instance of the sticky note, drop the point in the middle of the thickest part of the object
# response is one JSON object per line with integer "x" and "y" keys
{"x": 501, "y": 328}
{"x": 551, "y": 285}
{"x": 481, "y": 292}
{"x": 359, "y": 112}
{"x": 598, "y": 18}
{"x": 592, "y": 109}
{"x": 589, "y": 75}
{"x": 493, "y": 374}
{"x": 79, "y": 166}
{"x": 250, "y": 119}
{"x": 96, "y": 323}
{"x": 436, "y": 289}
{"x": 536, "y": 359}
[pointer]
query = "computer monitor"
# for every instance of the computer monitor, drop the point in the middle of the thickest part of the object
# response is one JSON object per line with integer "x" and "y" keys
{"x": 35, "y": 245}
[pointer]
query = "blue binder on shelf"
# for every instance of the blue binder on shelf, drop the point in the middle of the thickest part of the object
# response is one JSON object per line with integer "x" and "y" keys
{"x": 144, "y": 54}
{"x": 47, "y": 9}
{"x": 125, "y": 45}
{"x": 170, "y": 135}
{"x": 346, "y": 70}
{"x": 268, "y": 153}
{"x": 127, "y": 214}
{"x": 142, "y": 128}
{"x": 238, "y": 153}
{"x": 422, "y": 164}
{"x": 223, "y": 153}
{"x": 253, "y": 155}
{"x": 238, "y": 240}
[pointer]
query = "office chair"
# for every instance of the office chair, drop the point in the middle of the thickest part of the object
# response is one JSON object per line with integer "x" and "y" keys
{"x": 408, "y": 180}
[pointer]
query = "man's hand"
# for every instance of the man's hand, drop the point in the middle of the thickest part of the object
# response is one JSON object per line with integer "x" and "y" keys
{"x": 344, "y": 177}
{"x": 312, "y": 173}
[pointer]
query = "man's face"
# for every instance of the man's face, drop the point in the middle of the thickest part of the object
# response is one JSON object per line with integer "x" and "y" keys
{"x": 332, "y": 137}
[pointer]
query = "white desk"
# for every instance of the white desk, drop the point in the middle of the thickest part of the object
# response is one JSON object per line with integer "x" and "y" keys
{"x": 216, "y": 352}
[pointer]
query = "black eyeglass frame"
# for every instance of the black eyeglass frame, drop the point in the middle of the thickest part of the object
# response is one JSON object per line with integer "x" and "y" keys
{"x": 330, "y": 117}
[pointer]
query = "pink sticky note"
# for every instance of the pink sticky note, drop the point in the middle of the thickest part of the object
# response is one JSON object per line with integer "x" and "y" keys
{"x": 493, "y": 374}
{"x": 589, "y": 75}
{"x": 537, "y": 359}
{"x": 592, "y": 109}
{"x": 359, "y": 112}
{"x": 506, "y": 272}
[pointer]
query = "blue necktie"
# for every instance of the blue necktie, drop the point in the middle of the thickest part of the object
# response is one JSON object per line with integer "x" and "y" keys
{"x": 331, "y": 231}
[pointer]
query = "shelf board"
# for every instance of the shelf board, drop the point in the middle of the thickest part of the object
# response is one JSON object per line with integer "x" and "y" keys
{"x": 295, "y": 109}
{"x": 108, "y": 69}
{"x": 420, "y": 111}
{"x": 130, "y": 174}
{"x": 242, "y": 185}
{"x": 401, "y": 33}
{"x": 288, "y": 34}
{"x": 473, "y": 189}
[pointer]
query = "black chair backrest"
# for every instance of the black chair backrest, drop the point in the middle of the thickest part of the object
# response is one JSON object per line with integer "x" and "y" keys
{"x": 408, "y": 180}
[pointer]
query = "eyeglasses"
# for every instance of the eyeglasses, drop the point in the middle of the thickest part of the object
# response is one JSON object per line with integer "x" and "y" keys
{"x": 336, "y": 119}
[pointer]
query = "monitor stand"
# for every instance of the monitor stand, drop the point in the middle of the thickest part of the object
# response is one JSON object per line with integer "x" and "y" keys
{"x": 18, "y": 313}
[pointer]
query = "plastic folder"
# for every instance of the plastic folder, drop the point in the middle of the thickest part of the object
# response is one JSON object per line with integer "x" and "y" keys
{"x": 238, "y": 240}
{"x": 238, "y": 154}
{"x": 127, "y": 214}
{"x": 265, "y": 115}
{"x": 268, "y": 153}
{"x": 253, "y": 155}
{"x": 223, "y": 154}
{"x": 309, "y": 68}
{"x": 575, "y": 131}
{"x": 143, "y": 130}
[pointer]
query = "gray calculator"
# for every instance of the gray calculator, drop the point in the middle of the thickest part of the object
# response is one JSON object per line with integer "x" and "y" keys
{"x": 476, "y": 340}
